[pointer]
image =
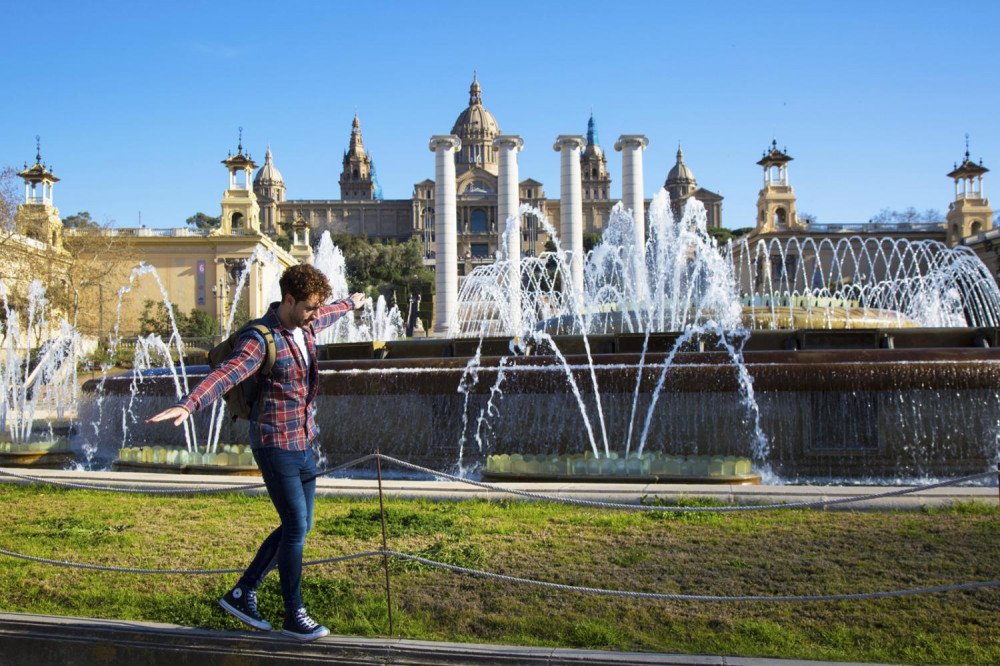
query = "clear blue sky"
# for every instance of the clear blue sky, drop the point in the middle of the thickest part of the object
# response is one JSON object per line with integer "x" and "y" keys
{"x": 137, "y": 103}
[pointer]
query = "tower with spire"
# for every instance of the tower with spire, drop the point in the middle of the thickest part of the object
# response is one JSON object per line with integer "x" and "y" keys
{"x": 970, "y": 212}
{"x": 357, "y": 181}
{"x": 240, "y": 210}
{"x": 269, "y": 188}
{"x": 594, "y": 176}
{"x": 776, "y": 200}
{"x": 37, "y": 218}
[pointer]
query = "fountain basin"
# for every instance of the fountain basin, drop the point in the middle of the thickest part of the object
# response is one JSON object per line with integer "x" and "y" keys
{"x": 861, "y": 404}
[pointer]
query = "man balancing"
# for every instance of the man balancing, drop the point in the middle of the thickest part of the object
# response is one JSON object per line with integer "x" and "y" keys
{"x": 282, "y": 428}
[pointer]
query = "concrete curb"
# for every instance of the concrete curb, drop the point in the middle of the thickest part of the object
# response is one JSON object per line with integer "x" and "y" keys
{"x": 42, "y": 640}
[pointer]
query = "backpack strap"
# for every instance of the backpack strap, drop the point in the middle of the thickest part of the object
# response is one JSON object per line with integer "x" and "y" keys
{"x": 270, "y": 350}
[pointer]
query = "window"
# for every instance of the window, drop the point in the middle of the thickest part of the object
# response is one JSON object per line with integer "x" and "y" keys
{"x": 477, "y": 223}
{"x": 480, "y": 250}
{"x": 477, "y": 187}
{"x": 783, "y": 266}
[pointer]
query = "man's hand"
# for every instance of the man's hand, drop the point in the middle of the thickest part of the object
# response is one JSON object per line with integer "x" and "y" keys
{"x": 359, "y": 300}
{"x": 178, "y": 414}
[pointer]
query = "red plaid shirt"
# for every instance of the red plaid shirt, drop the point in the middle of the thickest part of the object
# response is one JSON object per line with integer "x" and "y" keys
{"x": 283, "y": 415}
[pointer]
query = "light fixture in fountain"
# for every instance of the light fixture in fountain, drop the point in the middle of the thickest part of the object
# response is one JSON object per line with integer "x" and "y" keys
{"x": 42, "y": 450}
{"x": 645, "y": 468}
{"x": 230, "y": 460}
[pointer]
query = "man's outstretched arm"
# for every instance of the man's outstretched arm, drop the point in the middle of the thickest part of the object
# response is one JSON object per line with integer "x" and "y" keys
{"x": 243, "y": 362}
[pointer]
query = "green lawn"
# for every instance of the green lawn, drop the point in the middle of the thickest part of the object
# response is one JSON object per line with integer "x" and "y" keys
{"x": 791, "y": 552}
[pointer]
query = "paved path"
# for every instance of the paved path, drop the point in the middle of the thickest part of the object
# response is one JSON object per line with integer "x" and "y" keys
{"x": 607, "y": 492}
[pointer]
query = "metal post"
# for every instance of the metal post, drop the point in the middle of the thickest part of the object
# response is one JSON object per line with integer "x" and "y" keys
{"x": 385, "y": 555}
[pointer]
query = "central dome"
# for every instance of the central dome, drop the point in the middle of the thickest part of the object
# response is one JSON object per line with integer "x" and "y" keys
{"x": 475, "y": 123}
{"x": 681, "y": 174}
{"x": 268, "y": 174}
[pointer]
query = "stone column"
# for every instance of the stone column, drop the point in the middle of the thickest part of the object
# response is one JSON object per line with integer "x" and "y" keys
{"x": 571, "y": 204}
{"x": 444, "y": 147}
{"x": 508, "y": 203}
{"x": 631, "y": 147}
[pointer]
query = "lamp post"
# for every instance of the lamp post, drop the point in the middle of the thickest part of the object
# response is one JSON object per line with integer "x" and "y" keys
{"x": 219, "y": 291}
{"x": 100, "y": 304}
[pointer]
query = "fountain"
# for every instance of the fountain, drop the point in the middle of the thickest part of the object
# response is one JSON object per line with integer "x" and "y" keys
{"x": 38, "y": 384}
{"x": 716, "y": 368}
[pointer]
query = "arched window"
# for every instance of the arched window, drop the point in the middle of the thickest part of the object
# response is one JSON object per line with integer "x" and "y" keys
{"x": 780, "y": 219}
{"x": 237, "y": 220}
{"x": 977, "y": 226}
{"x": 477, "y": 223}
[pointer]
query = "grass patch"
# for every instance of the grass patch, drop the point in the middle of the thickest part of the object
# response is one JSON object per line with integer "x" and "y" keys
{"x": 788, "y": 552}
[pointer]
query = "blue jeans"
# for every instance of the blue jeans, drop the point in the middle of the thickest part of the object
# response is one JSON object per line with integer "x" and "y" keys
{"x": 288, "y": 476}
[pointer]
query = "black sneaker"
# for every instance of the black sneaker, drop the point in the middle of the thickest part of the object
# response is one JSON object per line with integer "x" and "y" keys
{"x": 242, "y": 604}
{"x": 301, "y": 626}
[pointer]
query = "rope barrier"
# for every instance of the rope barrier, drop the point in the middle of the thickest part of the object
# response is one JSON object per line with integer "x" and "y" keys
{"x": 193, "y": 572}
{"x": 521, "y": 493}
{"x": 694, "y": 597}
{"x": 528, "y": 581}
{"x": 704, "y": 509}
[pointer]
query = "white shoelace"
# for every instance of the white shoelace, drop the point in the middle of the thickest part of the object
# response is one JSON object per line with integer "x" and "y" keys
{"x": 303, "y": 619}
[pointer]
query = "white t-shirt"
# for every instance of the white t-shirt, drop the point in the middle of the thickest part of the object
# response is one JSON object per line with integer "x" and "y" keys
{"x": 300, "y": 341}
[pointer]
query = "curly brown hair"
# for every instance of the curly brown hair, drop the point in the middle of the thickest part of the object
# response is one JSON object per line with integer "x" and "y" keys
{"x": 303, "y": 281}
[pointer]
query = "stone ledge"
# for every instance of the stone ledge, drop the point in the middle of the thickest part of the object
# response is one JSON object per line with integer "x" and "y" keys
{"x": 42, "y": 640}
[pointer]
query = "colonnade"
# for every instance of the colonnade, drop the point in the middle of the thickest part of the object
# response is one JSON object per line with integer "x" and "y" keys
{"x": 569, "y": 146}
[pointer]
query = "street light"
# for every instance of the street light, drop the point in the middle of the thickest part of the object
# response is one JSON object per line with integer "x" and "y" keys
{"x": 100, "y": 304}
{"x": 219, "y": 291}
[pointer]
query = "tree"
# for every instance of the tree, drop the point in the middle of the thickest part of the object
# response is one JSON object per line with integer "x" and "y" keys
{"x": 81, "y": 220}
{"x": 155, "y": 318}
{"x": 808, "y": 218}
{"x": 8, "y": 198}
{"x": 909, "y": 216}
{"x": 200, "y": 324}
{"x": 204, "y": 222}
{"x": 720, "y": 234}
{"x": 591, "y": 240}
